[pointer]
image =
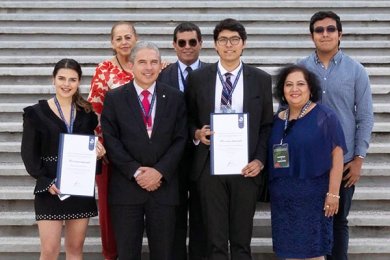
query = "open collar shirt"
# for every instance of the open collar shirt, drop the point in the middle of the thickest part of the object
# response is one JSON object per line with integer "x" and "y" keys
{"x": 346, "y": 89}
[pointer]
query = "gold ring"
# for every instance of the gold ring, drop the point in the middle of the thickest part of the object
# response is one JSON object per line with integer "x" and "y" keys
{"x": 327, "y": 206}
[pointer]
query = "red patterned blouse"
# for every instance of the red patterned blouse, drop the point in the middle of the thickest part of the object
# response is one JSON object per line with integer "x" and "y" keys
{"x": 107, "y": 76}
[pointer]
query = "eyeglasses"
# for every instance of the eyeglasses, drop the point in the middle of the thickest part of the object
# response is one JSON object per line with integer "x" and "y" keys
{"x": 191, "y": 42}
{"x": 233, "y": 40}
{"x": 329, "y": 29}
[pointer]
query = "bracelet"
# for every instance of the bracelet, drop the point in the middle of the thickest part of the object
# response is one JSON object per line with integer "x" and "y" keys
{"x": 332, "y": 195}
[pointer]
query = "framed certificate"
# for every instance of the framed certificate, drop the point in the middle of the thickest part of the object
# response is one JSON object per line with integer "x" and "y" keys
{"x": 229, "y": 143}
{"x": 76, "y": 167}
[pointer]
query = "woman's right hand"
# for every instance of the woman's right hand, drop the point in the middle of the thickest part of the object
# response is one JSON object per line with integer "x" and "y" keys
{"x": 54, "y": 190}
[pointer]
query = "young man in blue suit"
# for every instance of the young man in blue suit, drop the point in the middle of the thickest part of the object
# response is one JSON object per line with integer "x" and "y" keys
{"x": 145, "y": 132}
{"x": 229, "y": 201}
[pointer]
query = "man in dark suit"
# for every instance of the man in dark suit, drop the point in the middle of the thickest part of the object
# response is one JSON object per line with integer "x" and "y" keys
{"x": 187, "y": 42}
{"x": 144, "y": 128}
{"x": 229, "y": 201}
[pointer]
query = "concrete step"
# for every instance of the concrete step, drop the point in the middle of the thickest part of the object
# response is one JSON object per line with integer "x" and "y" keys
{"x": 14, "y": 147}
{"x": 279, "y": 58}
{"x": 380, "y": 148}
{"x": 14, "y": 174}
{"x": 167, "y": 44}
{"x": 369, "y": 169}
{"x": 367, "y": 224}
{"x": 361, "y": 193}
{"x": 259, "y": 245}
{"x": 190, "y": 4}
{"x": 378, "y": 89}
{"x": 89, "y": 70}
{"x": 171, "y": 14}
{"x": 379, "y": 127}
{"x": 157, "y": 31}
{"x": 261, "y": 219}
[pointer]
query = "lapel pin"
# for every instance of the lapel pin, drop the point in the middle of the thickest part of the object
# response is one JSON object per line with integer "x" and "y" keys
{"x": 163, "y": 96}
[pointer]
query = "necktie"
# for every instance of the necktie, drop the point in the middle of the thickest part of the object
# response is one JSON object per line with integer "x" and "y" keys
{"x": 146, "y": 106}
{"x": 226, "y": 98}
{"x": 188, "y": 69}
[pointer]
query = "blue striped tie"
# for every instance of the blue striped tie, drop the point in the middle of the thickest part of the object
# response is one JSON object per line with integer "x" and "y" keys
{"x": 226, "y": 98}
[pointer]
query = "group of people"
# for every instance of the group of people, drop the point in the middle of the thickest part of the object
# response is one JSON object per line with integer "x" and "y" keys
{"x": 153, "y": 124}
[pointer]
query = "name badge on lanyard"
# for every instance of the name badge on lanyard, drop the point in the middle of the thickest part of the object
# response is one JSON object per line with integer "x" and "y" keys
{"x": 280, "y": 151}
{"x": 280, "y": 155}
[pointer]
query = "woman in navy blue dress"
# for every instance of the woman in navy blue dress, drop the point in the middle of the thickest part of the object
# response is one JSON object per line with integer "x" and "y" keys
{"x": 306, "y": 163}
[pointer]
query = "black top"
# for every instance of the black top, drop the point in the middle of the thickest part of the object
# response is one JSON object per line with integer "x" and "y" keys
{"x": 41, "y": 133}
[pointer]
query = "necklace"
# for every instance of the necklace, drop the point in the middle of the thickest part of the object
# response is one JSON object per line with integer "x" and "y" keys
{"x": 301, "y": 114}
{"x": 289, "y": 124}
{"x": 120, "y": 65}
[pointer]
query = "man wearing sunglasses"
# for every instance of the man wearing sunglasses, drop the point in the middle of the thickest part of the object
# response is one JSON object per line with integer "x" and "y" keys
{"x": 187, "y": 42}
{"x": 229, "y": 86}
{"x": 346, "y": 89}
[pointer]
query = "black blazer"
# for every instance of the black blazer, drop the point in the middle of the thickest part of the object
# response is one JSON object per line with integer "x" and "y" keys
{"x": 129, "y": 146}
{"x": 169, "y": 75}
{"x": 200, "y": 97}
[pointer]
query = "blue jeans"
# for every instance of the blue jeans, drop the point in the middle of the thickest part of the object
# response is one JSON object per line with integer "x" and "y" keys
{"x": 340, "y": 224}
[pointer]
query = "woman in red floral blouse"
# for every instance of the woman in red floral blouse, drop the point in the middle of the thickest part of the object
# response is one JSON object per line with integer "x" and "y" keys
{"x": 110, "y": 74}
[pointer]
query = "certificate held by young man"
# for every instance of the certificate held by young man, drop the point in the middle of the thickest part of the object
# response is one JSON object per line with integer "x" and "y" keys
{"x": 229, "y": 143}
{"x": 76, "y": 167}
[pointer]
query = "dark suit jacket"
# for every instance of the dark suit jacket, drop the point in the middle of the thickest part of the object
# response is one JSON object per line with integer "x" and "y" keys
{"x": 200, "y": 97}
{"x": 169, "y": 75}
{"x": 129, "y": 147}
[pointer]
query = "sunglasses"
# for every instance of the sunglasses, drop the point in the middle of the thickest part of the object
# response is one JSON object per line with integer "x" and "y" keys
{"x": 191, "y": 42}
{"x": 329, "y": 29}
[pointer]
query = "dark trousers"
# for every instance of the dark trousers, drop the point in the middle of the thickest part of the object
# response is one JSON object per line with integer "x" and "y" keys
{"x": 340, "y": 224}
{"x": 188, "y": 211}
{"x": 189, "y": 206}
{"x": 129, "y": 222}
{"x": 197, "y": 233}
{"x": 228, "y": 206}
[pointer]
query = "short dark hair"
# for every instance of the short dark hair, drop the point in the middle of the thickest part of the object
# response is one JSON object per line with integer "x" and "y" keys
{"x": 187, "y": 27}
{"x": 321, "y": 15}
{"x": 310, "y": 77}
{"x": 231, "y": 25}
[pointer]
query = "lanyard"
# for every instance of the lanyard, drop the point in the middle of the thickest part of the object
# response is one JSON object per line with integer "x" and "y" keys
{"x": 147, "y": 116}
{"x": 69, "y": 127}
{"x": 183, "y": 79}
{"x": 287, "y": 125}
{"x": 223, "y": 82}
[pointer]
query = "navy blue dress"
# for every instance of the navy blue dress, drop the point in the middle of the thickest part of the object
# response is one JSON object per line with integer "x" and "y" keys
{"x": 299, "y": 226}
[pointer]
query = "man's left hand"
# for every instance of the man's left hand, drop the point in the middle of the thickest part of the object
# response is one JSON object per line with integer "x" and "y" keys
{"x": 353, "y": 176}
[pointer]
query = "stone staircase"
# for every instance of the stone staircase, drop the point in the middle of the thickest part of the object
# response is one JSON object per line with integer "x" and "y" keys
{"x": 36, "y": 34}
